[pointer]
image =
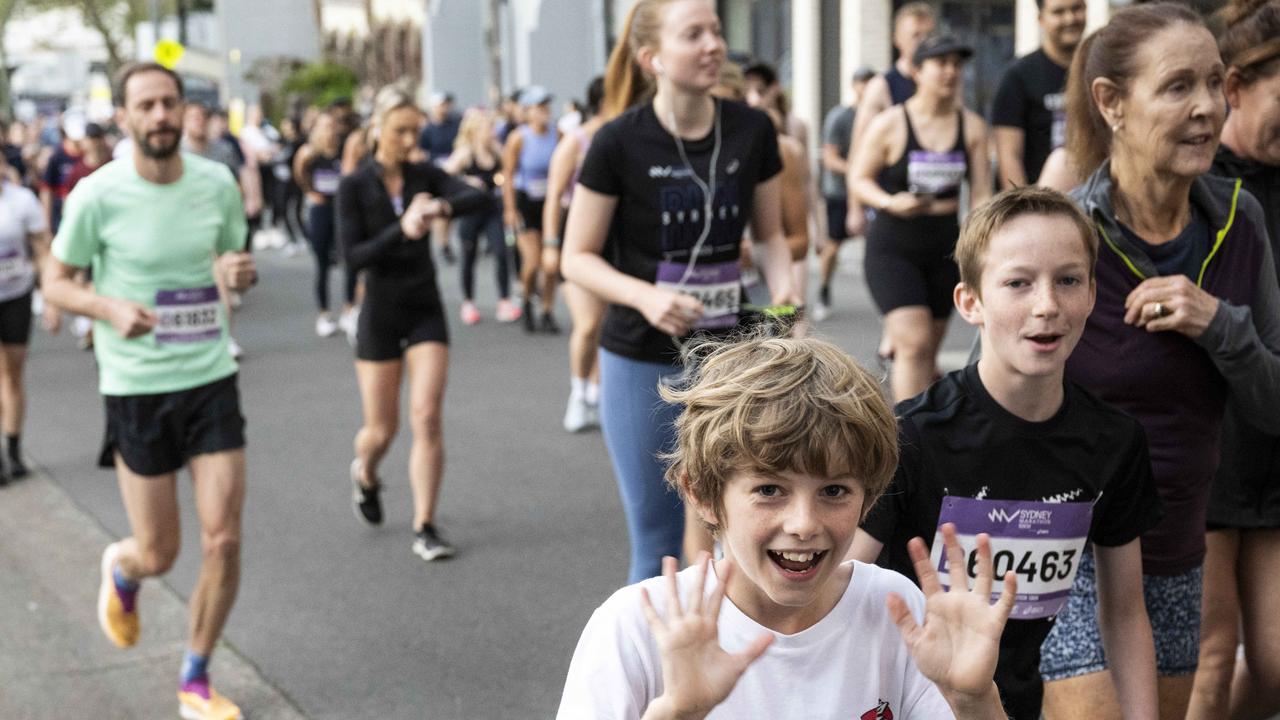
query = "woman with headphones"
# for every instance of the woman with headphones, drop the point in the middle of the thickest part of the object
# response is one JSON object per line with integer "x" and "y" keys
{"x": 671, "y": 184}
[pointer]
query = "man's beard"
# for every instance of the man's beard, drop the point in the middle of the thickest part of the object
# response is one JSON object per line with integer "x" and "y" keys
{"x": 1069, "y": 47}
{"x": 155, "y": 148}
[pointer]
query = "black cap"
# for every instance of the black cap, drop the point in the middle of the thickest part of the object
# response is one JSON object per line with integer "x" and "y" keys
{"x": 764, "y": 71}
{"x": 939, "y": 45}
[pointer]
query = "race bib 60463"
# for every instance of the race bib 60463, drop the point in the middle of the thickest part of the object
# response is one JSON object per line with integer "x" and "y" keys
{"x": 1039, "y": 542}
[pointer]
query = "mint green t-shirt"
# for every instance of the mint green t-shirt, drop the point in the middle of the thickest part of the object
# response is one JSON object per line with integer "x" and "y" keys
{"x": 155, "y": 245}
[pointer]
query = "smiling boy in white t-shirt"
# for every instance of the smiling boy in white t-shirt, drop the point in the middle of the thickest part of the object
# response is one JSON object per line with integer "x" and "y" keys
{"x": 781, "y": 445}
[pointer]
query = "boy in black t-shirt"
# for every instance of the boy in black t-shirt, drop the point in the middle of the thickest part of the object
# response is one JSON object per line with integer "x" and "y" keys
{"x": 1007, "y": 447}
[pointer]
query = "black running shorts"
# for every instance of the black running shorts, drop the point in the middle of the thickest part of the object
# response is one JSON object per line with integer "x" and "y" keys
{"x": 157, "y": 434}
{"x": 385, "y": 329}
{"x": 15, "y": 320}
{"x": 837, "y": 213}
{"x": 909, "y": 263}
{"x": 530, "y": 211}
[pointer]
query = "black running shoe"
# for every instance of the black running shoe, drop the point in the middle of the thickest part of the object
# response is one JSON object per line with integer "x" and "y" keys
{"x": 17, "y": 469}
{"x": 429, "y": 546}
{"x": 548, "y": 324}
{"x": 530, "y": 322}
{"x": 446, "y": 254}
{"x": 366, "y": 501}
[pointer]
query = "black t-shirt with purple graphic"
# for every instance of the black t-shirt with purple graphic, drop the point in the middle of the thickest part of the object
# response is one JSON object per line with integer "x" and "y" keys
{"x": 661, "y": 214}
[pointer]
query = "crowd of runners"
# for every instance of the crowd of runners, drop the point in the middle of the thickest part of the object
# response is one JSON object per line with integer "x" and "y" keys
{"x": 1082, "y": 522}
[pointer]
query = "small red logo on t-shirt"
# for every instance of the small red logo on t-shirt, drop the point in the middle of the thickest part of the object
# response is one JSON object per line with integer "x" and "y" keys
{"x": 880, "y": 712}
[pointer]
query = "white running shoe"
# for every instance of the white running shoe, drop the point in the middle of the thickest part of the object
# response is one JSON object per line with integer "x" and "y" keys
{"x": 577, "y": 414}
{"x": 234, "y": 348}
{"x": 821, "y": 311}
{"x": 325, "y": 326}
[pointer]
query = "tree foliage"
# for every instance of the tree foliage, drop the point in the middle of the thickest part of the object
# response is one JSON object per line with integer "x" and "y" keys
{"x": 321, "y": 83}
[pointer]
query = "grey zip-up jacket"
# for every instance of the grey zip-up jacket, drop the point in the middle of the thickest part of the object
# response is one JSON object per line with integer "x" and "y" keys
{"x": 1175, "y": 386}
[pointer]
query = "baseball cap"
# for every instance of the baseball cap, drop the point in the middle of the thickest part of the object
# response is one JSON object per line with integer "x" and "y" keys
{"x": 535, "y": 95}
{"x": 939, "y": 45}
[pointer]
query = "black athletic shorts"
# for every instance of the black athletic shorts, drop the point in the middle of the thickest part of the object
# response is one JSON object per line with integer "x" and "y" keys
{"x": 15, "y": 320}
{"x": 910, "y": 263}
{"x": 530, "y": 211}
{"x": 385, "y": 330}
{"x": 837, "y": 211}
{"x": 157, "y": 434}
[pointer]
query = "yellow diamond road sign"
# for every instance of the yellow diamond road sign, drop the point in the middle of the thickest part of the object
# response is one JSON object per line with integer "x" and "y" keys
{"x": 169, "y": 52}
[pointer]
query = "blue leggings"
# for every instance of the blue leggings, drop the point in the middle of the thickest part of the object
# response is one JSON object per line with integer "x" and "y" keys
{"x": 637, "y": 426}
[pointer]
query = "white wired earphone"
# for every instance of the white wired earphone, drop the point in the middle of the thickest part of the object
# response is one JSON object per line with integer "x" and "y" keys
{"x": 708, "y": 189}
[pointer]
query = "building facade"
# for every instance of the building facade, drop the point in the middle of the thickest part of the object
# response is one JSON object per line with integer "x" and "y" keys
{"x": 561, "y": 44}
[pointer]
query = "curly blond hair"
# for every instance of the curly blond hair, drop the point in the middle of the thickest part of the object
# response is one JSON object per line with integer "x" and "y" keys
{"x": 772, "y": 405}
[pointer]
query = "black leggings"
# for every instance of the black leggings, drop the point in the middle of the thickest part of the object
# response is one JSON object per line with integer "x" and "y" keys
{"x": 470, "y": 228}
{"x": 292, "y": 212}
{"x": 320, "y": 232}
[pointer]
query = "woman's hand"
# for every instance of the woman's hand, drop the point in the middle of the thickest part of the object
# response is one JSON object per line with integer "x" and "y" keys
{"x": 1170, "y": 302}
{"x": 957, "y": 646}
{"x": 415, "y": 221}
{"x": 907, "y": 205}
{"x": 855, "y": 221}
{"x": 671, "y": 312}
{"x": 697, "y": 674}
{"x": 51, "y": 318}
{"x": 511, "y": 218}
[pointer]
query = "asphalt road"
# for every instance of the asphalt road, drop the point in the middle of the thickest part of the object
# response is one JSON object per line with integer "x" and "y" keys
{"x": 344, "y": 619}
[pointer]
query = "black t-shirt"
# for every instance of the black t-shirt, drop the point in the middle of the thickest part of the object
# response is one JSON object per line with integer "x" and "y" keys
{"x": 956, "y": 441}
{"x": 1183, "y": 255}
{"x": 660, "y": 214}
{"x": 1032, "y": 98}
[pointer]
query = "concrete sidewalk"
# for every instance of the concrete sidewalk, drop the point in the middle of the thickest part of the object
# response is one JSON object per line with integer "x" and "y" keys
{"x": 54, "y": 661}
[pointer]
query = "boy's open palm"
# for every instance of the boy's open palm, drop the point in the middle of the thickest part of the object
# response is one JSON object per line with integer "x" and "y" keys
{"x": 697, "y": 674}
{"x": 958, "y": 644}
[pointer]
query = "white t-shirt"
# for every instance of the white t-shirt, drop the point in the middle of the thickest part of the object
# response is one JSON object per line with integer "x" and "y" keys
{"x": 851, "y": 665}
{"x": 20, "y": 215}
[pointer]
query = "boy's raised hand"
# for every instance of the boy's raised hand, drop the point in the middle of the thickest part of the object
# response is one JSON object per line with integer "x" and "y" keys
{"x": 697, "y": 674}
{"x": 958, "y": 644}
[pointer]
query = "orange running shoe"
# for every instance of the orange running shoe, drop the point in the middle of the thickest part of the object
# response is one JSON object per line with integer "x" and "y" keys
{"x": 117, "y": 609}
{"x": 198, "y": 701}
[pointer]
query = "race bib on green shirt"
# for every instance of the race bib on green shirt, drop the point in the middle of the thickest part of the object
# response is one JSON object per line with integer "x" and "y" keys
{"x": 186, "y": 316}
